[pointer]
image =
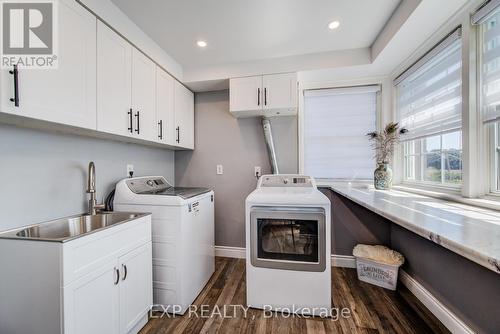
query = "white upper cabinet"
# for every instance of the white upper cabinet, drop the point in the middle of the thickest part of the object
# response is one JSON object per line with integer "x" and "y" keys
{"x": 280, "y": 91}
{"x": 114, "y": 82}
{"x": 126, "y": 88}
{"x": 66, "y": 94}
{"x": 245, "y": 94}
{"x": 102, "y": 83}
{"x": 263, "y": 95}
{"x": 143, "y": 96}
{"x": 184, "y": 116}
{"x": 165, "y": 107}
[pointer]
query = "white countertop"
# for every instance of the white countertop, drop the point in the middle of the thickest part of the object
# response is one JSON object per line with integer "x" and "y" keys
{"x": 470, "y": 231}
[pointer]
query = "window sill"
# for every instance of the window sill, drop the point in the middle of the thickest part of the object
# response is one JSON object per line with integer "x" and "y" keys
{"x": 465, "y": 229}
{"x": 431, "y": 186}
{"x": 488, "y": 202}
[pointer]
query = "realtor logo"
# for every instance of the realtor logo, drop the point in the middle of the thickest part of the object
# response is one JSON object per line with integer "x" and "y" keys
{"x": 28, "y": 34}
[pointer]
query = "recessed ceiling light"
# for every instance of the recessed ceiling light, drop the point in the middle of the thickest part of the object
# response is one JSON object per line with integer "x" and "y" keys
{"x": 201, "y": 44}
{"x": 334, "y": 25}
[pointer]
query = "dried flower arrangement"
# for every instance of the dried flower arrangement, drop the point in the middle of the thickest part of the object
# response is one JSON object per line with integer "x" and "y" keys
{"x": 384, "y": 142}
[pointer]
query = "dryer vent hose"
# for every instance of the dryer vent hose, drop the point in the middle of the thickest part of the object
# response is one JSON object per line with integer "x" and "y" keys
{"x": 268, "y": 136}
{"x": 109, "y": 200}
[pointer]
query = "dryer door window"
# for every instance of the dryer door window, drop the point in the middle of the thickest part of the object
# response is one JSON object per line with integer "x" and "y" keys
{"x": 288, "y": 238}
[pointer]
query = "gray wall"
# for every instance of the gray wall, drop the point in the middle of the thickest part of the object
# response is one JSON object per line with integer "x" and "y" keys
{"x": 471, "y": 291}
{"x": 44, "y": 174}
{"x": 353, "y": 224}
{"x": 238, "y": 145}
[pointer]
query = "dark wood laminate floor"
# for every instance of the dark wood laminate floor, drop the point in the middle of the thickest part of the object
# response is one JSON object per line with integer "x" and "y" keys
{"x": 373, "y": 309}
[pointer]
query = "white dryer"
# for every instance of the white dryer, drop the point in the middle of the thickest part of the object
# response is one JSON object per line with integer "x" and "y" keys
{"x": 182, "y": 234}
{"x": 288, "y": 246}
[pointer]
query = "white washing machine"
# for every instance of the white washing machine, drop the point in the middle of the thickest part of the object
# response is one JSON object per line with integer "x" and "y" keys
{"x": 288, "y": 246}
{"x": 183, "y": 236}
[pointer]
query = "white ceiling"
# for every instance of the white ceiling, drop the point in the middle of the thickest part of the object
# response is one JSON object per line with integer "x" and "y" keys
{"x": 246, "y": 30}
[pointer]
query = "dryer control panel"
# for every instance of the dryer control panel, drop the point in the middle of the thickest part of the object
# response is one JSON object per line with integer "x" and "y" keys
{"x": 286, "y": 180}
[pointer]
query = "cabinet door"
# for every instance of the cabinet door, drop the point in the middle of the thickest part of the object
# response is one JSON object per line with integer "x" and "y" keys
{"x": 91, "y": 304}
{"x": 114, "y": 82}
{"x": 136, "y": 286}
{"x": 280, "y": 91}
{"x": 165, "y": 107}
{"x": 184, "y": 116}
{"x": 245, "y": 94}
{"x": 66, "y": 94}
{"x": 143, "y": 96}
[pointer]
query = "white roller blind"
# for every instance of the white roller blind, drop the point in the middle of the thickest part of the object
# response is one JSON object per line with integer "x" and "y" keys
{"x": 490, "y": 68}
{"x": 335, "y": 125}
{"x": 484, "y": 11}
{"x": 430, "y": 98}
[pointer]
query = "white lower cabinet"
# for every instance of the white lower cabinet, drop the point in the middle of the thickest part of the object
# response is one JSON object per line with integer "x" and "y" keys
{"x": 113, "y": 298}
{"x": 135, "y": 290}
{"x": 90, "y": 303}
{"x": 98, "y": 283}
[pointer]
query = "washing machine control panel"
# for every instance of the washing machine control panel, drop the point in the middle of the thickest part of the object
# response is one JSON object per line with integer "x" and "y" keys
{"x": 287, "y": 180}
{"x": 147, "y": 184}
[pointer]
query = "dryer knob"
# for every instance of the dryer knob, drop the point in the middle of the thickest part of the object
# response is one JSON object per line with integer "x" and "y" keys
{"x": 150, "y": 183}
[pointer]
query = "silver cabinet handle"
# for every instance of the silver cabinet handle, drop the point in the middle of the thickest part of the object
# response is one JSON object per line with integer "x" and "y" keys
{"x": 117, "y": 272}
{"x": 258, "y": 96}
{"x": 124, "y": 272}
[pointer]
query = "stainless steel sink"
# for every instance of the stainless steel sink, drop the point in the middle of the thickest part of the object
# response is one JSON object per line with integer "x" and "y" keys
{"x": 65, "y": 229}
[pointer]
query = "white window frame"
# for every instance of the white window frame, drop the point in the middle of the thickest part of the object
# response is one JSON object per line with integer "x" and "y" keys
{"x": 400, "y": 155}
{"x": 489, "y": 134}
{"x": 430, "y": 184}
{"x": 383, "y": 104}
{"x": 475, "y": 147}
{"x": 493, "y": 159}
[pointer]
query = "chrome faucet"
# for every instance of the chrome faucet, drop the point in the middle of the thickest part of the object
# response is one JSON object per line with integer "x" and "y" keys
{"x": 93, "y": 206}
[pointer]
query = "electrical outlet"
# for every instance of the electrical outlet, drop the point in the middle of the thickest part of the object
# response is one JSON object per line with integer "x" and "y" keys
{"x": 130, "y": 170}
{"x": 220, "y": 170}
{"x": 257, "y": 172}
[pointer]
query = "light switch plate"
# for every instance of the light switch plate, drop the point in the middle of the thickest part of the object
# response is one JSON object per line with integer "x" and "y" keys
{"x": 220, "y": 170}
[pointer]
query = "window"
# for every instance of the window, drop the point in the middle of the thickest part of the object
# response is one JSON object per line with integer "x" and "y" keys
{"x": 490, "y": 89}
{"x": 429, "y": 105}
{"x": 436, "y": 159}
{"x": 335, "y": 125}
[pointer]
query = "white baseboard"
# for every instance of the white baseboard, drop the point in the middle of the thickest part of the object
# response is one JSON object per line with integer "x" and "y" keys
{"x": 234, "y": 252}
{"x": 343, "y": 261}
{"x": 447, "y": 317}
